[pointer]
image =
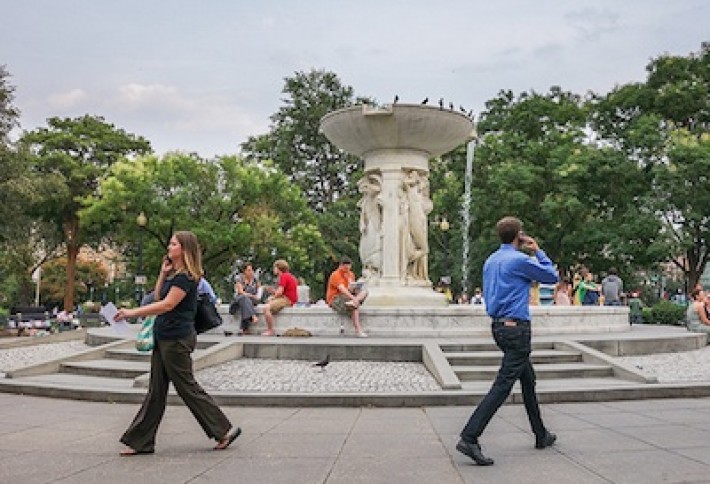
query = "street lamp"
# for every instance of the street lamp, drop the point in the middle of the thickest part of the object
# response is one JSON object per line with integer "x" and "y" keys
{"x": 444, "y": 226}
{"x": 140, "y": 281}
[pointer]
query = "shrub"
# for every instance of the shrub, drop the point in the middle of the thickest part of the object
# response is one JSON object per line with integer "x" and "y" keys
{"x": 665, "y": 312}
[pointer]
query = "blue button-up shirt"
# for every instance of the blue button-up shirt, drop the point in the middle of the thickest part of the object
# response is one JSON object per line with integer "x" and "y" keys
{"x": 507, "y": 276}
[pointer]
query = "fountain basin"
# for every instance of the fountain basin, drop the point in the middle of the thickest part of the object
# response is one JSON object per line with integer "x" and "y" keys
{"x": 363, "y": 129}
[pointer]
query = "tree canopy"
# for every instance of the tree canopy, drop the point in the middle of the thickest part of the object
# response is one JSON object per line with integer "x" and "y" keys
{"x": 238, "y": 211}
{"x": 74, "y": 155}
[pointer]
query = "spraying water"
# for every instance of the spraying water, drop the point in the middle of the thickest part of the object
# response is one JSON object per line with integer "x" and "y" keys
{"x": 466, "y": 212}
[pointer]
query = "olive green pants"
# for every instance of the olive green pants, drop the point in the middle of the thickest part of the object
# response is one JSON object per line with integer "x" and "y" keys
{"x": 171, "y": 362}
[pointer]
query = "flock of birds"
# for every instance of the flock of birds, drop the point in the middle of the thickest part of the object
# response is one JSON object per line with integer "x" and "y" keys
{"x": 441, "y": 105}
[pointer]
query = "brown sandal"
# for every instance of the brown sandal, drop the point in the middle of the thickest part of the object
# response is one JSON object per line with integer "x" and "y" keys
{"x": 228, "y": 439}
{"x": 129, "y": 452}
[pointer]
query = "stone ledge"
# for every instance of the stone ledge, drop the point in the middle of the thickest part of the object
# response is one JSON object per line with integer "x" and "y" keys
{"x": 450, "y": 321}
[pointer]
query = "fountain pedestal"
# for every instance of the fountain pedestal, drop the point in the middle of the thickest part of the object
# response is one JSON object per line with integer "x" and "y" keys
{"x": 396, "y": 143}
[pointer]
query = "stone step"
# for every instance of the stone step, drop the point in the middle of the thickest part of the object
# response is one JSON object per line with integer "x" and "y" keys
{"x": 543, "y": 372}
{"x": 128, "y": 355}
{"x": 489, "y": 346}
{"x": 106, "y": 368}
{"x": 593, "y": 384}
{"x": 473, "y": 358}
{"x": 69, "y": 380}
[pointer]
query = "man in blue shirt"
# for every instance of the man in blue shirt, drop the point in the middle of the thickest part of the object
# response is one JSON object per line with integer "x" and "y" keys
{"x": 507, "y": 276}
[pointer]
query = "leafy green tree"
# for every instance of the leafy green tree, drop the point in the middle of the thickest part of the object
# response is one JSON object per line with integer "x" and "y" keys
{"x": 683, "y": 190}
{"x": 89, "y": 275}
{"x": 297, "y": 147}
{"x": 535, "y": 160}
{"x": 663, "y": 125}
{"x": 78, "y": 152}
{"x": 326, "y": 175}
{"x": 238, "y": 211}
{"x": 21, "y": 237}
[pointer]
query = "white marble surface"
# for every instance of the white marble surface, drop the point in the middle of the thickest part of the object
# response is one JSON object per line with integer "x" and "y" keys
{"x": 450, "y": 321}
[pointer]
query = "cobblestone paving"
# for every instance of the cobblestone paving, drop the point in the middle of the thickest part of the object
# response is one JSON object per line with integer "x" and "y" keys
{"x": 14, "y": 358}
{"x": 674, "y": 367}
{"x": 250, "y": 375}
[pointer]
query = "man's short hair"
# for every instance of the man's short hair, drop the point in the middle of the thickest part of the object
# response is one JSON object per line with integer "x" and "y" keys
{"x": 508, "y": 228}
{"x": 281, "y": 265}
{"x": 345, "y": 260}
{"x": 612, "y": 271}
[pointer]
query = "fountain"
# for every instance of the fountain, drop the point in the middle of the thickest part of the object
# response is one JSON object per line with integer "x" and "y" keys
{"x": 396, "y": 143}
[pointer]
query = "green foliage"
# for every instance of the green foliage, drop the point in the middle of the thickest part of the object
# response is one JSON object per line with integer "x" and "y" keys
{"x": 298, "y": 148}
{"x": 73, "y": 155}
{"x": 326, "y": 175}
{"x": 664, "y": 312}
{"x": 534, "y": 160}
{"x": 664, "y": 126}
{"x": 53, "y": 283}
{"x": 238, "y": 212}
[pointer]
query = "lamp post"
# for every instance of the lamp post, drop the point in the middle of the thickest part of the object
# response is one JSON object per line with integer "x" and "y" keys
{"x": 444, "y": 226}
{"x": 141, "y": 220}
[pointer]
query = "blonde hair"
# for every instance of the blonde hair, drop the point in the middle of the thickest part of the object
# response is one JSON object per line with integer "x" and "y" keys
{"x": 191, "y": 253}
{"x": 281, "y": 265}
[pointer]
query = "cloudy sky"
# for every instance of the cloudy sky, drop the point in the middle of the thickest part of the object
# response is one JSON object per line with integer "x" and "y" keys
{"x": 203, "y": 75}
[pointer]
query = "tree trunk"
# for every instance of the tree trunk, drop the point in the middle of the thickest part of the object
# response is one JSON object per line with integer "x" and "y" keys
{"x": 71, "y": 232}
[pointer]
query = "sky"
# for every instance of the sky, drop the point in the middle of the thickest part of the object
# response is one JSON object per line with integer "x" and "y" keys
{"x": 204, "y": 75}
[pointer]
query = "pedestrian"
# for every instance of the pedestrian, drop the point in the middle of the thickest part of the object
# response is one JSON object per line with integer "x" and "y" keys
{"x": 507, "y": 275}
{"x": 174, "y": 332}
{"x": 612, "y": 288}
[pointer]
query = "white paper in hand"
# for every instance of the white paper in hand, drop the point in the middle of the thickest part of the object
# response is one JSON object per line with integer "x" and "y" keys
{"x": 109, "y": 313}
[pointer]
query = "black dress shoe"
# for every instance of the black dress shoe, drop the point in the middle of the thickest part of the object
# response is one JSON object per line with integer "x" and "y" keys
{"x": 546, "y": 441}
{"x": 473, "y": 450}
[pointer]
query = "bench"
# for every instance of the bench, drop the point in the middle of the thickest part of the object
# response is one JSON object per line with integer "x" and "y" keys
{"x": 29, "y": 317}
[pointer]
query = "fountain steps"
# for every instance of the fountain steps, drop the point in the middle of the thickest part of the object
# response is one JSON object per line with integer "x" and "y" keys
{"x": 566, "y": 370}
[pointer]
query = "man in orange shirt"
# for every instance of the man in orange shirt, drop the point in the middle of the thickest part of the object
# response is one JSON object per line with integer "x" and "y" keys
{"x": 344, "y": 295}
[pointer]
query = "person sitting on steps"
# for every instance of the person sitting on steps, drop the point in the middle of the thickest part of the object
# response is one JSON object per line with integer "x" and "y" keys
{"x": 345, "y": 296}
{"x": 247, "y": 294}
{"x": 285, "y": 295}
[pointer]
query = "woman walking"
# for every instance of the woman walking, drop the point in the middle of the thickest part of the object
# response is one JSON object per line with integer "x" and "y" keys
{"x": 175, "y": 338}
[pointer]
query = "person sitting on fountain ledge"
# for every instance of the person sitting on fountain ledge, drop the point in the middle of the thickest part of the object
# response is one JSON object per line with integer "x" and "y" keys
{"x": 284, "y": 295}
{"x": 345, "y": 295}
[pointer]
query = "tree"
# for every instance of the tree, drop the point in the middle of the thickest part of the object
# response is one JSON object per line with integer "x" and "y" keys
{"x": 89, "y": 275}
{"x": 663, "y": 125}
{"x": 298, "y": 148}
{"x": 78, "y": 152}
{"x": 238, "y": 211}
{"x": 535, "y": 160}
{"x": 326, "y": 175}
{"x": 20, "y": 235}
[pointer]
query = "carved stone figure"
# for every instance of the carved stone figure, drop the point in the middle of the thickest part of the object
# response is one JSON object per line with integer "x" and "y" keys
{"x": 370, "y": 205}
{"x": 415, "y": 205}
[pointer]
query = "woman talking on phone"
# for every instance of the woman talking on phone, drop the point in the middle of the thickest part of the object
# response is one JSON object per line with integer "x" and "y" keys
{"x": 174, "y": 332}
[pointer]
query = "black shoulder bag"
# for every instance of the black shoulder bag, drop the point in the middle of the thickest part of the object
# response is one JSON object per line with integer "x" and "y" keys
{"x": 207, "y": 316}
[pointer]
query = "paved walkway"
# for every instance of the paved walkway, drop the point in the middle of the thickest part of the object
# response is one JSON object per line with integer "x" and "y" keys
{"x": 48, "y": 440}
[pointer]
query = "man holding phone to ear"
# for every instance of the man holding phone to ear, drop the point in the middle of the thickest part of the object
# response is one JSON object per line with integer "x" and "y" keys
{"x": 507, "y": 275}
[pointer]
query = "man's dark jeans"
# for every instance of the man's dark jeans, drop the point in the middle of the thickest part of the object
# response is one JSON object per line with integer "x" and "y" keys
{"x": 514, "y": 341}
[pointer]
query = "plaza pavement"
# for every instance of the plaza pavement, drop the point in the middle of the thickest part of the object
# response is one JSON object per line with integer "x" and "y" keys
{"x": 649, "y": 441}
